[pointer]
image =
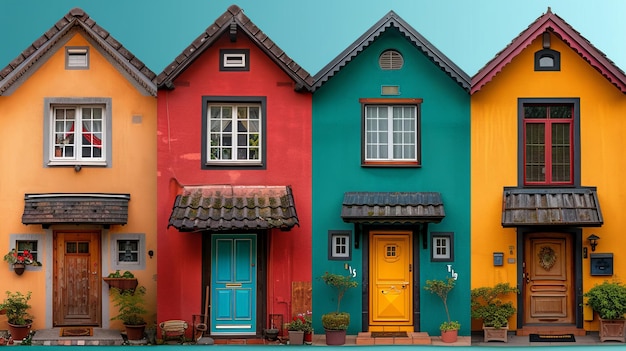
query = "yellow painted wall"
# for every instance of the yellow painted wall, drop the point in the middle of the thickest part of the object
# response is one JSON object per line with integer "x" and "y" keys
{"x": 21, "y": 154}
{"x": 494, "y": 141}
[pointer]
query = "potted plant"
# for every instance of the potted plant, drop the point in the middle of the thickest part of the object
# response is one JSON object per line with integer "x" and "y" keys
{"x": 296, "y": 328}
{"x": 131, "y": 310}
{"x": 449, "y": 329}
{"x": 19, "y": 261}
{"x": 122, "y": 281}
{"x": 16, "y": 309}
{"x": 608, "y": 300}
{"x": 336, "y": 323}
{"x": 487, "y": 304}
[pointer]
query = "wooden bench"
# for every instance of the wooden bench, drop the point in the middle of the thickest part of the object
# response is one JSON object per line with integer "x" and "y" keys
{"x": 173, "y": 329}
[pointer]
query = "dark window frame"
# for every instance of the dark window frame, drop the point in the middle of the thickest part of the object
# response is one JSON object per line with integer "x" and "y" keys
{"x": 332, "y": 234}
{"x": 79, "y": 49}
{"x": 575, "y": 142}
{"x": 553, "y": 54}
{"x": 244, "y": 52}
{"x": 437, "y": 235}
{"x": 415, "y": 102}
{"x": 206, "y": 100}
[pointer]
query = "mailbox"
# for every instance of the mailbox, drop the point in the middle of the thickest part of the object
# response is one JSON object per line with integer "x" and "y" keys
{"x": 498, "y": 258}
{"x": 602, "y": 264}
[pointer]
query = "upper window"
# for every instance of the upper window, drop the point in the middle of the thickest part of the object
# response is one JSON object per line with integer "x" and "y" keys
{"x": 391, "y": 132}
{"x": 234, "y": 60}
{"x": 234, "y": 131}
{"x": 77, "y": 57}
{"x": 547, "y": 60}
{"x": 550, "y": 141}
{"x": 391, "y": 60}
{"x": 78, "y": 131}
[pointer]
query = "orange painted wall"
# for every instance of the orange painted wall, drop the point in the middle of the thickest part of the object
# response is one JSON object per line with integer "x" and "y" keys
{"x": 494, "y": 157}
{"x": 133, "y": 167}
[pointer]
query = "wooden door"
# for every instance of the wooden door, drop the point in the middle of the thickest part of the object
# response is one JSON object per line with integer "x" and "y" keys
{"x": 77, "y": 279}
{"x": 233, "y": 284}
{"x": 548, "y": 279}
{"x": 391, "y": 276}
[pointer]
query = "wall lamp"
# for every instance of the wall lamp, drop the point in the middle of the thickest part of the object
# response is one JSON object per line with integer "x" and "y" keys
{"x": 593, "y": 241}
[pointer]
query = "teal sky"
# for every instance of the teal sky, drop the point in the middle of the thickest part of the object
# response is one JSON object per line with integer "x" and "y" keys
{"x": 314, "y": 32}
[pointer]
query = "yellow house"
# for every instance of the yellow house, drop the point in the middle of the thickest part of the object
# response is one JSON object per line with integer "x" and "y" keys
{"x": 547, "y": 175}
{"x": 78, "y": 186}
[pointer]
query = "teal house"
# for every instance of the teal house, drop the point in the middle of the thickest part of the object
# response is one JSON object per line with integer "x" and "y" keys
{"x": 391, "y": 182}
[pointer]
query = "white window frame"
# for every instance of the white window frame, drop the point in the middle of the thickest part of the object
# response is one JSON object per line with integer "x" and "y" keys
{"x": 72, "y": 140}
{"x": 388, "y": 139}
{"x": 221, "y": 131}
{"x": 339, "y": 239}
{"x": 442, "y": 247}
{"x": 141, "y": 252}
{"x": 234, "y": 60}
{"x": 76, "y": 57}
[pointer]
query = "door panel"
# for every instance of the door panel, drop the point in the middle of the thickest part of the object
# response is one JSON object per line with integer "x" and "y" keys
{"x": 549, "y": 279}
{"x": 77, "y": 298}
{"x": 234, "y": 284}
{"x": 391, "y": 279}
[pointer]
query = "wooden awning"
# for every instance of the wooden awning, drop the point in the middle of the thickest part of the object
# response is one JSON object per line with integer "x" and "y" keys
{"x": 392, "y": 207}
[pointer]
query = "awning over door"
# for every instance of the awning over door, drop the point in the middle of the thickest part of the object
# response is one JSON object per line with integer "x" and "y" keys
{"x": 228, "y": 207}
{"x": 75, "y": 208}
{"x": 392, "y": 207}
{"x": 551, "y": 206}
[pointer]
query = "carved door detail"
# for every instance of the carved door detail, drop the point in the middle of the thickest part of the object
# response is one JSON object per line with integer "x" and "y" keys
{"x": 548, "y": 279}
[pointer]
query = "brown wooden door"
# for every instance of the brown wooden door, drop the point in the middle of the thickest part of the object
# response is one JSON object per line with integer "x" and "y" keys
{"x": 548, "y": 279}
{"x": 391, "y": 277}
{"x": 77, "y": 279}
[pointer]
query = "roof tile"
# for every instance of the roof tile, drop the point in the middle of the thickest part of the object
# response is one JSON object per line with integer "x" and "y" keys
{"x": 226, "y": 207}
{"x": 392, "y": 207}
{"x": 76, "y": 17}
{"x": 56, "y": 208}
{"x": 234, "y": 15}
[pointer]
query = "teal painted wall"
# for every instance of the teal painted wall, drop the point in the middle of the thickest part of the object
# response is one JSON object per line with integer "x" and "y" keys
{"x": 445, "y": 133}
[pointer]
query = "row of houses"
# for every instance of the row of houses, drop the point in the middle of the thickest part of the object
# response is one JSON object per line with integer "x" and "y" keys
{"x": 231, "y": 181}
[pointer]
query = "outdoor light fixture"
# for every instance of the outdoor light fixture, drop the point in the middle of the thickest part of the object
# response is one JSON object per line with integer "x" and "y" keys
{"x": 593, "y": 241}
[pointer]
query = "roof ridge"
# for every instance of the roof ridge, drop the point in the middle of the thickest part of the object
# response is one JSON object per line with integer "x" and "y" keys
{"x": 19, "y": 66}
{"x": 233, "y": 18}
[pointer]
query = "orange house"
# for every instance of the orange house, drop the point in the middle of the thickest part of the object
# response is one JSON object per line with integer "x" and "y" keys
{"x": 78, "y": 190}
{"x": 547, "y": 137}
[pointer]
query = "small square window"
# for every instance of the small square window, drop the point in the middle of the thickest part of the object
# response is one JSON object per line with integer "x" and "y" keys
{"x": 27, "y": 245}
{"x": 339, "y": 245}
{"x": 128, "y": 252}
{"x": 547, "y": 60}
{"x": 76, "y": 57}
{"x": 234, "y": 60}
{"x": 442, "y": 247}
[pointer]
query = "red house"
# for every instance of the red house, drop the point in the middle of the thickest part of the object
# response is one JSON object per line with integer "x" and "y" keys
{"x": 234, "y": 183}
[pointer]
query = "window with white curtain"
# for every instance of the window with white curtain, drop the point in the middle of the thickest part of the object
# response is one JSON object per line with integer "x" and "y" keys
{"x": 78, "y": 131}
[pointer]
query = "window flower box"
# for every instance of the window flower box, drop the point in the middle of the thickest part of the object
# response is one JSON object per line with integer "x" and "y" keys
{"x": 121, "y": 283}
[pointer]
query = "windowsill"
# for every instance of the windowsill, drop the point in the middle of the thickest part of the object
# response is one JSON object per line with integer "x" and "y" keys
{"x": 73, "y": 163}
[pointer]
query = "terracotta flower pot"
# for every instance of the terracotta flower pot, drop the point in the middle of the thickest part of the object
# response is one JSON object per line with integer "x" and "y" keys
{"x": 19, "y": 268}
{"x": 135, "y": 332}
{"x": 335, "y": 337}
{"x": 449, "y": 336}
{"x": 19, "y": 332}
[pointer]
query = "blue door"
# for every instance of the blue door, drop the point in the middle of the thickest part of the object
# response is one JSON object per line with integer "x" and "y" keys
{"x": 233, "y": 284}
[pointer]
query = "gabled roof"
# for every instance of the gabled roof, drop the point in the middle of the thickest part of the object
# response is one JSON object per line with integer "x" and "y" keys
{"x": 77, "y": 19}
{"x": 230, "y": 207}
{"x": 577, "y": 207}
{"x": 229, "y": 22}
{"x": 391, "y": 19}
{"x": 75, "y": 208}
{"x": 392, "y": 208}
{"x": 555, "y": 24}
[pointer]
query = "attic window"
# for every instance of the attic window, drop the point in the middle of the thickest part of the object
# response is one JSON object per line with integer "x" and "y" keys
{"x": 76, "y": 57}
{"x": 547, "y": 60}
{"x": 390, "y": 60}
{"x": 234, "y": 60}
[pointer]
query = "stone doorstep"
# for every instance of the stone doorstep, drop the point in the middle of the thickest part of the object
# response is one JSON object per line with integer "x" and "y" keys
{"x": 414, "y": 338}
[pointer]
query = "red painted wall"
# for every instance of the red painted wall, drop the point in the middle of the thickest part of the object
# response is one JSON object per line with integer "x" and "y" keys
{"x": 288, "y": 135}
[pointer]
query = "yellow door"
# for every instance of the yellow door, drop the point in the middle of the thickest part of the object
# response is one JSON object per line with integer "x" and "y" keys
{"x": 391, "y": 291}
